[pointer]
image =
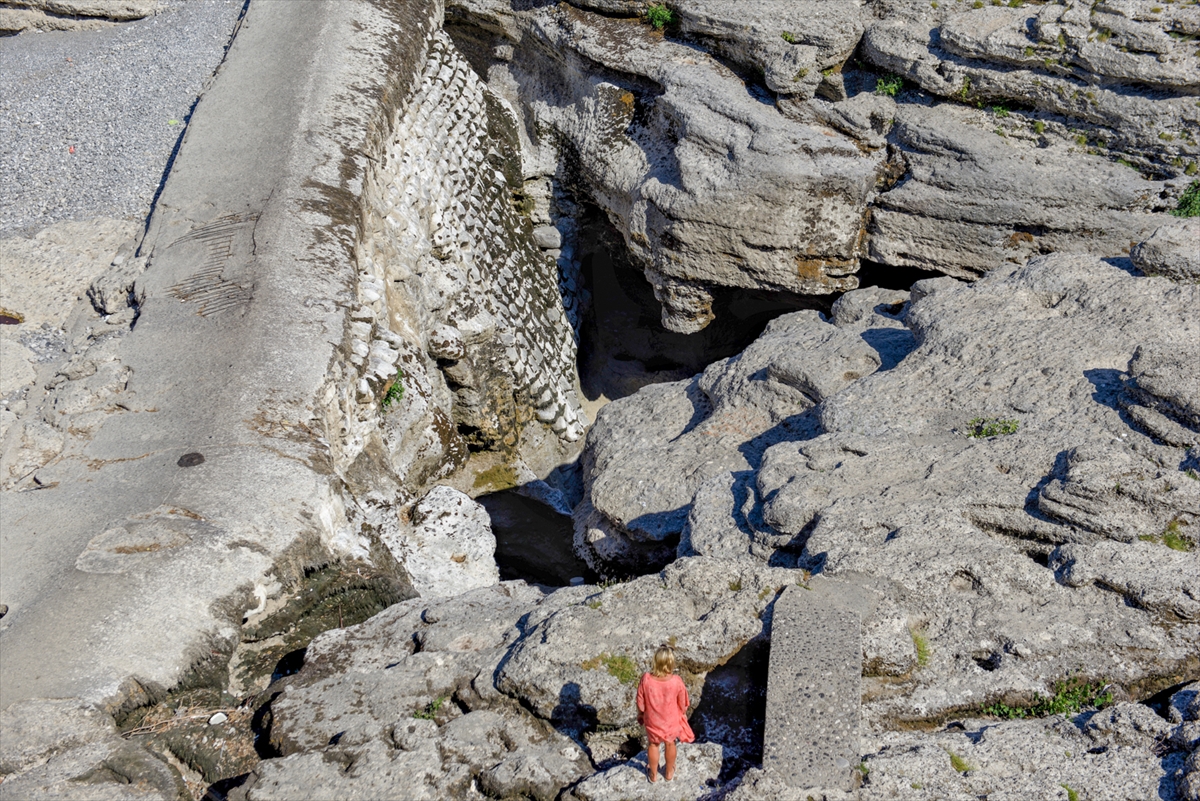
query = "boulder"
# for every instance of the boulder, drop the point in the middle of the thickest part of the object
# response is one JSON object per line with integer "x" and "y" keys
{"x": 648, "y": 455}
{"x": 449, "y": 548}
{"x": 697, "y": 768}
{"x": 1173, "y": 250}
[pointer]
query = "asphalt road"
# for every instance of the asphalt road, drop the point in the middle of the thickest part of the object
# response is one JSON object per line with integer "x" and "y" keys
{"x": 120, "y": 97}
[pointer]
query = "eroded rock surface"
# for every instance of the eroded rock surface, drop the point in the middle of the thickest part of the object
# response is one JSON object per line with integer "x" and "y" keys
{"x": 1040, "y": 492}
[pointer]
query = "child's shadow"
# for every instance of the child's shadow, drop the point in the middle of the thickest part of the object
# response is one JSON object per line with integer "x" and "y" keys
{"x": 571, "y": 716}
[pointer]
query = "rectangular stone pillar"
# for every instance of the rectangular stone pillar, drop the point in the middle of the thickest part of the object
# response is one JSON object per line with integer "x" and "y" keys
{"x": 814, "y": 689}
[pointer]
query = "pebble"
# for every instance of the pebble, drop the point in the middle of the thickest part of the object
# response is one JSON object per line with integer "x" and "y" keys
{"x": 218, "y": 719}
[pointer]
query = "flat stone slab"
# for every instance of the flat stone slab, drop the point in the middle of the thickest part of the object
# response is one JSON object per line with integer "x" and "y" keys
{"x": 814, "y": 689}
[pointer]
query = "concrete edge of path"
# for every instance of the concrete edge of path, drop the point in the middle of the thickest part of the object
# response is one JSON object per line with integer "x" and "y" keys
{"x": 246, "y": 297}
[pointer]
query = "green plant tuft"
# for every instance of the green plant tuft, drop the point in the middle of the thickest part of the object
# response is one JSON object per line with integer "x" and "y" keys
{"x": 430, "y": 710}
{"x": 393, "y": 390}
{"x": 984, "y": 427}
{"x": 1071, "y": 794}
{"x": 736, "y": 585}
{"x": 889, "y": 85}
{"x": 619, "y": 667}
{"x": 1189, "y": 202}
{"x": 1039, "y": 127}
{"x": 1070, "y": 697}
{"x": 965, "y": 90}
{"x": 659, "y": 16}
{"x": 1172, "y": 537}
{"x": 958, "y": 763}
{"x": 788, "y": 37}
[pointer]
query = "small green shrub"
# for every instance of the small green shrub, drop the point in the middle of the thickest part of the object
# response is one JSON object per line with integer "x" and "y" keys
{"x": 430, "y": 710}
{"x": 958, "y": 763}
{"x": 1192, "y": 474}
{"x": 1189, "y": 202}
{"x": 788, "y": 37}
{"x": 393, "y": 390}
{"x": 889, "y": 85}
{"x": 1028, "y": 51}
{"x": 659, "y": 16}
{"x": 736, "y": 585}
{"x": 1192, "y": 169}
{"x": 965, "y": 90}
{"x": 1071, "y": 794}
{"x": 1070, "y": 697}
{"x": 619, "y": 667}
{"x": 1039, "y": 127}
{"x": 1000, "y": 111}
{"x": 984, "y": 427}
{"x": 595, "y": 603}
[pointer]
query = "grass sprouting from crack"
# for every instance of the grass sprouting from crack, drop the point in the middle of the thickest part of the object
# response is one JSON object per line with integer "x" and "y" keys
{"x": 618, "y": 666}
{"x": 1070, "y": 697}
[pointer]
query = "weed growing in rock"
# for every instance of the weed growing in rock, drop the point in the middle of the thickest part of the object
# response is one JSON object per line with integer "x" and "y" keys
{"x": 1000, "y": 111}
{"x": 921, "y": 643}
{"x": 788, "y": 37}
{"x": 864, "y": 769}
{"x": 1172, "y": 537}
{"x": 1071, "y": 794}
{"x": 736, "y": 585}
{"x": 1039, "y": 127}
{"x": 889, "y": 85}
{"x": 393, "y": 390}
{"x": 1189, "y": 202}
{"x": 659, "y": 16}
{"x": 958, "y": 763}
{"x": 965, "y": 90}
{"x": 619, "y": 667}
{"x": 430, "y": 710}
{"x": 1070, "y": 697}
{"x": 984, "y": 427}
{"x": 595, "y": 603}
{"x": 1192, "y": 474}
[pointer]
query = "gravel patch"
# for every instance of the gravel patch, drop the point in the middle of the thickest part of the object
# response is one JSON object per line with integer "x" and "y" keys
{"x": 120, "y": 96}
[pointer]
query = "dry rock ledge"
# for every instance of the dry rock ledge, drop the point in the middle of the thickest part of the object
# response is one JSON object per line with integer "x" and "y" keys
{"x": 240, "y": 556}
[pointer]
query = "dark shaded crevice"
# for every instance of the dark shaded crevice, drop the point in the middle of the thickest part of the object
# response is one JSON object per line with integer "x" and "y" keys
{"x": 533, "y": 541}
{"x": 733, "y": 708}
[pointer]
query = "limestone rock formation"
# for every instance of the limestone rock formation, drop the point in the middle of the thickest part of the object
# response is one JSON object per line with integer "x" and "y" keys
{"x": 1173, "y": 250}
{"x": 458, "y": 676}
{"x": 66, "y": 15}
{"x": 649, "y": 454}
{"x": 709, "y": 185}
{"x": 450, "y": 547}
{"x": 1002, "y": 475}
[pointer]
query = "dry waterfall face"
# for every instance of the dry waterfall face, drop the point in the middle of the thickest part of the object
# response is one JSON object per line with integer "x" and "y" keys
{"x": 997, "y": 466}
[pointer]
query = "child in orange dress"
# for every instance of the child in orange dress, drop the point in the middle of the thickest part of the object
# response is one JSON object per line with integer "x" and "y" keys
{"x": 662, "y": 703}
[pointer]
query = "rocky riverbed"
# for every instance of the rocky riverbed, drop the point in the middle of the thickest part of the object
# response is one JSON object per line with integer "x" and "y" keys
{"x": 468, "y": 351}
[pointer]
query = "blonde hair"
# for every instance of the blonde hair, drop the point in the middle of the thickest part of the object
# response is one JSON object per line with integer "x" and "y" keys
{"x": 664, "y": 661}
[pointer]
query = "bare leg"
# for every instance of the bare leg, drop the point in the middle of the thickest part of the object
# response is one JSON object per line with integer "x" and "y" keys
{"x": 652, "y": 762}
{"x": 669, "y": 773}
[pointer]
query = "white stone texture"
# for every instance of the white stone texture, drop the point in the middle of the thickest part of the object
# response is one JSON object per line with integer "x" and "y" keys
{"x": 450, "y": 548}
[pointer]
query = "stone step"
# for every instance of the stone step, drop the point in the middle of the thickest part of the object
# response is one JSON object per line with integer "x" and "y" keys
{"x": 814, "y": 687}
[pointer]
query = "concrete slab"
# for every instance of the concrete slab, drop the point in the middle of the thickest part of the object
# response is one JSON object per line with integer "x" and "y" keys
{"x": 119, "y": 560}
{"x": 814, "y": 688}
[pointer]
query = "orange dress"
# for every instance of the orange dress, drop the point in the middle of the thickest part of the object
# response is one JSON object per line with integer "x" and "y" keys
{"x": 662, "y": 704}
